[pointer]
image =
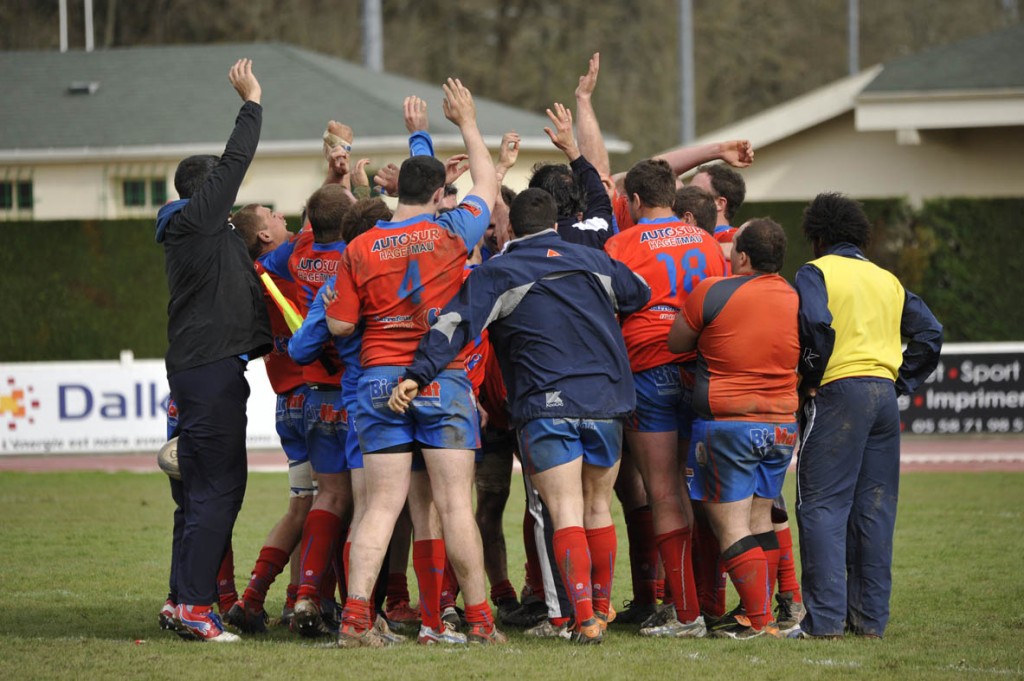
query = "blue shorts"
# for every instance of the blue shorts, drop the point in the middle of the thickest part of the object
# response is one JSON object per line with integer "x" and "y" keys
{"x": 735, "y": 460}
{"x": 662, "y": 402}
{"x": 546, "y": 443}
{"x": 443, "y": 415}
{"x": 326, "y": 430}
{"x": 291, "y": 424}
{"x": 353, "y": 455}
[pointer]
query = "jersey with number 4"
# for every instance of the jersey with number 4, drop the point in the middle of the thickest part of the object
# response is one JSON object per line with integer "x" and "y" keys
{"x": 672, "y": 257}
{"x": 397, "y": 276}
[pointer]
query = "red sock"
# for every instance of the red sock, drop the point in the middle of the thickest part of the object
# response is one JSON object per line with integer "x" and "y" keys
{"x": 573, "y": 557}
{"x": 603, "y": 546}
{"x": 269, "y": 565}
{"x": 398, "y": 589}
{"x": 770, "y": 545}
{"x": 676, "y": 550}
{"x": 787, "y": 565}
{"x": 643, "y": 555}
{"x": 291, "y": 593}
{"x": 748, "y": 569}
{"x": 534, "y": 579}
{"x": 428, "y": 562}
{"x": 503, "y": 591}
{"x": 480, "y": 613}
{"x": 707, "y": 571}
{"x": 327, "y": 583}
{"x": 319, "y": 533}
{"x": 449, "y": 587}
{"x": 227, "y": 594}
{"x": 357, "y": 614}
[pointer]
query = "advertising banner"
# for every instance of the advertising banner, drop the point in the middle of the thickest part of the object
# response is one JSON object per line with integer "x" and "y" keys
{"x": 976, "y": 388}
{"x": 80, "y": 407}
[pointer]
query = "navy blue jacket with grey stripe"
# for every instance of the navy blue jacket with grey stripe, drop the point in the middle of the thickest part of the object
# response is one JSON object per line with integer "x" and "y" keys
{"x": 550, "y": 307}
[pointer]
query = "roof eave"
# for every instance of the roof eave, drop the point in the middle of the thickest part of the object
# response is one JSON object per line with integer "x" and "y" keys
{"x": 267, "y": 149}
{"x": 798, "y": 114}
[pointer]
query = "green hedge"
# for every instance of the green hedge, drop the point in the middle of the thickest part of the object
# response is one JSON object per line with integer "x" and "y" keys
{"x": 82, "y": 290}
{"x": 965, "y": 257}
{"x": 88, "y": 289}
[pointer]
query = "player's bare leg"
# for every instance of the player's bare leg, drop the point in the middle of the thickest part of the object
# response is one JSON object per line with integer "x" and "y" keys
{"x": 428, "y": 556}
{"x": 451, "y": 481}
{"x": 493, "y": 480}
{"x": 561, "y": 489}
{"x": 744, "y": 558}
{"x": 657, "y": 457}
{"x": 323, "y": 529}
{"x": 644, "y": 561}
{"x": 387, "y": 479}
{"x": 598, "y": 484}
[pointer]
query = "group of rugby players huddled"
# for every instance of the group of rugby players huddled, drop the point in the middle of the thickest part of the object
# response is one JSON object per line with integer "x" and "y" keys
{"x": 612, "y": 332}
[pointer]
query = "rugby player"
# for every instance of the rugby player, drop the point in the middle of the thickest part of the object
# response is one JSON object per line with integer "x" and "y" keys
{"x": 394, "y": 278}
{"x": 550, "y": 307}
{"x": 672, "y": 257}
{"x": 745, "y": 399}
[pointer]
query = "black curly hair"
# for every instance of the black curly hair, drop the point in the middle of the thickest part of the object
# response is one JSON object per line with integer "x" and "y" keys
{"x": 833, "y": 218}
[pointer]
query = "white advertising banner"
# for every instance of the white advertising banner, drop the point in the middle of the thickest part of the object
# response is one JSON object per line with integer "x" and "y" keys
{"x": 81, "y": 407}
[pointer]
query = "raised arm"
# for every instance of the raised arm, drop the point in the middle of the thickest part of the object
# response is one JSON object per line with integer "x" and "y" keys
{"x": 591, "y": 140}
{"x": 460, "y": 109}
{"x": 737, "y": 153}
{"x": 210, "y": 206}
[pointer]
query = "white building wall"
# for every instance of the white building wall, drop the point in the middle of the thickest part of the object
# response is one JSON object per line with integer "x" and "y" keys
{"x": 67, "y": 191}
{"x": 833, "y": 156}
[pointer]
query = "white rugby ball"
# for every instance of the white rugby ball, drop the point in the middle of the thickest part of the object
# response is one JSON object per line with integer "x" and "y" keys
{"x": 167, "y": 459}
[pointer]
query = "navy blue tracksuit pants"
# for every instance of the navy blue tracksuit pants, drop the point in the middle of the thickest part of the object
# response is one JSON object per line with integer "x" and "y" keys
{"x": 211, "y": 403}
{"x": 848, "y": 475}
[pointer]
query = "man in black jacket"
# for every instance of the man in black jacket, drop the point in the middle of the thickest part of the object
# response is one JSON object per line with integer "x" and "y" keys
{"x": 216, "y": 323}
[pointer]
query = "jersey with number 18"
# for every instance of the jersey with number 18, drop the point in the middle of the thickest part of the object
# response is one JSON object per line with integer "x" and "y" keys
{"x": 672, "y": 257}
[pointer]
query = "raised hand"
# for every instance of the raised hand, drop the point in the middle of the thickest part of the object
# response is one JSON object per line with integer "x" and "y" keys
{"x": 454, "y": 167}
{"x": 359, "y": 178}
{"x": 509, "y": 152}
{"x": 588, "y": 81}
{"x": 244, "y": 82}
{"x": 415, "y": 112}
{"x": 562, "y": 136}
{"x": 738, "y": 153}
{"x": 387, "y": 179}
{"x": 458, "y": 103}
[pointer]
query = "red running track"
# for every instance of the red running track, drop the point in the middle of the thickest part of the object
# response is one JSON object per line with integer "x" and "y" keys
{"x": 950, "y": 453}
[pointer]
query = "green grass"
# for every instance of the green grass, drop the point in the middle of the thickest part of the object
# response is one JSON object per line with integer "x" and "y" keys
{"x": 83, "y": 571}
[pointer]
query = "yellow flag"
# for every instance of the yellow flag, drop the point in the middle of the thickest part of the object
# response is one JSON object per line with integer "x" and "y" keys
{"x": 287, "y": 307}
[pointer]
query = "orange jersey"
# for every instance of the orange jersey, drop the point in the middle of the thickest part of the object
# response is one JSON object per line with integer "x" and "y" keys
{"x": 748, "y": 348}
{"x": 397, "y": 276}
{"x": 672, "y": 257}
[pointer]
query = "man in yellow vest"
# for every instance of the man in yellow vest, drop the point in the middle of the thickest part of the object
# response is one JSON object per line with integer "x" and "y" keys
{"x": 853, "y": 315}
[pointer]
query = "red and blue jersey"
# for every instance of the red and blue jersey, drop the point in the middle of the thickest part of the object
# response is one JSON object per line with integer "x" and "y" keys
{"x": 309, "y": 265}
{"x": 672, "y": 257}
{"x": 397, "y": 276}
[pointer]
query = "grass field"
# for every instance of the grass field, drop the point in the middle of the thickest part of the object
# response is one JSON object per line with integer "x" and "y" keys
{"x": 83, "y": 571}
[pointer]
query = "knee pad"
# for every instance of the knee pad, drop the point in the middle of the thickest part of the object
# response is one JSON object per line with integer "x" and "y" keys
{"x": 300, "y": 479}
